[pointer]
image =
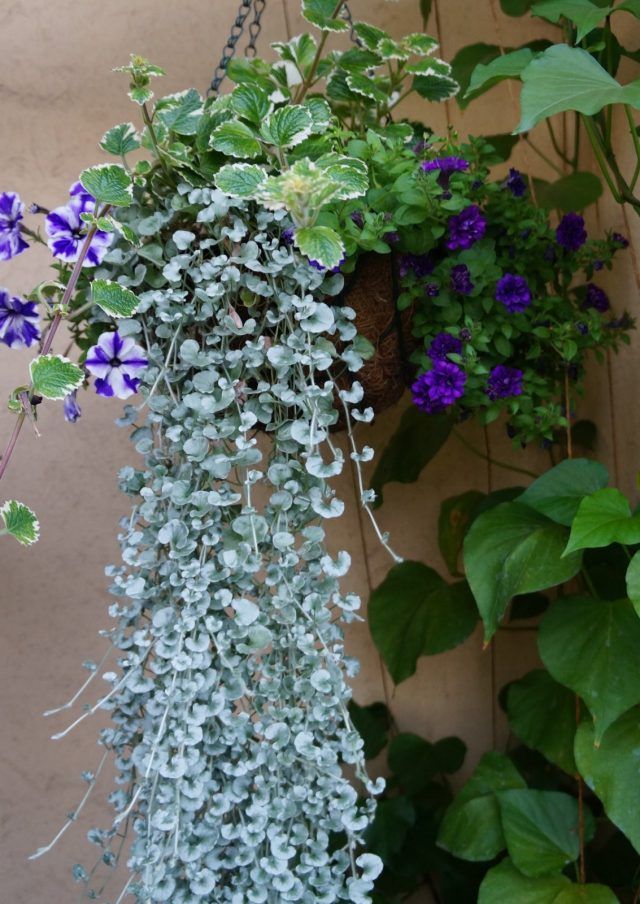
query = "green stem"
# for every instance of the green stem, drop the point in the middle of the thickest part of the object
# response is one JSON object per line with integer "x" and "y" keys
{"x": 596, "y": 144}
{"x": 636, "y": 142}
{"x": 544, "y": 157}
{"x": 493, "y": 461}
{"x": 554, "y": 141}
{"x": 154, "y": 141}
{"x": 316, "y": 60}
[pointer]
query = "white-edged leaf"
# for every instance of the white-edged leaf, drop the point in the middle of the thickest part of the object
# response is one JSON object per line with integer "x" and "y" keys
{"x": 120, "y": 140}
{"x": 287, "y": 126}
{"x": 349, "y": 172}
{"x": 235, "y": 139}
{"x": 240, "y": 180}
{"x": 109, "y": 183}
{"x": 54, "y": 377}
{"x": 321, "y": 14}
{"x": 321, "y": 244}
{"x": 20, "y": 522}
{"x": 181, "y": 112}
{"x": 251, "y": 102}
{"x": 361, "y": 84}
{"x": 320, "y": 113}
{"x": 114, "y": 299}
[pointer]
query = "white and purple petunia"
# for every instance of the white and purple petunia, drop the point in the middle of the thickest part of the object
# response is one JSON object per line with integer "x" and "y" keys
{"x": 66, "y": 229}
{"x": 116, "y": 362}
{"x": 19, "y": 322}
{"x": 11, "y": 211}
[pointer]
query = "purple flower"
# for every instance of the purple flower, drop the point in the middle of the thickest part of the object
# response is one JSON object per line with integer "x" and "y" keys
{"x": 70, "y": 407}
{"x": 516, "y": 183}
{"x": 11, "y": 212}
{"x": 66, "y": 229}
{"x": 288, "y": 236}
{"x": 432, "y": 290}
{"x": 620, "y": 240}
{"x": 438, "y": 387}
{"x": 571, "y": 233}
{"x": 445, "y": 165}
{"x": 582, "y": 328}
{"x": 461, "y": 280}
{"x": 391, "y": 238}
{"x": 466, "y": 228}
{"x": 513, "y": 292}
{"x": 357, "y": 218}
{"x": 598, "y": 265}
{"x": 116, "y": 363}
{"x": 504, "y": 382}
{"x": 442, "y": 345}
{"x": 420, "y": 264}
{"x": 596, "y": 298}
{"x": 321, "y": 267}
{"x": 19, "y": 324}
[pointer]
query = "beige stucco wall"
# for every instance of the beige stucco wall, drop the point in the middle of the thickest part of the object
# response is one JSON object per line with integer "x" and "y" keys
{"x": 57, "y": 97}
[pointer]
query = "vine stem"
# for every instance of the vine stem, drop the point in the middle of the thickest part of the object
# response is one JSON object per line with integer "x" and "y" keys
{"x": 51, "y": 333}
{"x": 498, "y": 464}
{"x": 316, "y": 60}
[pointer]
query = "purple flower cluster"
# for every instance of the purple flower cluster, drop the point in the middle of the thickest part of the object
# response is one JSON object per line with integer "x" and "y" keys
{"x": 445, "y": 165}
{"x": 66, "y": 229}
{"x": 596, "y": 298}
{"x": 116, "y": 363}
{"x": 420, "y": 265}
{"x": 438, "y": 387}
{"x": 466, "y": 228}
{"x": 19, "y": 323}
{"x": 442, "y": 345}
{"x": 504, "y": 382}
{"x": 619, "y": 240}
{"x": 516, "y": 183}
{"x": 513, "y": 292}
{"x": 461, "y": 280}
{"x": 571, "y": 233}
{"x": 11, "y": 213}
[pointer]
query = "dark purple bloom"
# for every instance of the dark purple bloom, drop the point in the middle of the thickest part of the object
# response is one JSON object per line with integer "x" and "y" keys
{"x": 571, "y": 233}
{"x": 357, "y": 218}
{"x": 598, "y": 265}
{"x": 432, "y": 290}
{"x": 442, "y": 345}
{"x": 420, "y": 264}
{"x": 596, "y": 298}
{"x": 516, "y": 183}
{"x": 513, "y": 292}
{"x": 288, "y": 235}
{"x": 461, "y": 280}
{"x": 420, "y": 147}
{"x": 19, "y": 324}
{"x": 620, "y": 240}
{"x": 582, "y": 328}
{"x": 321, "y": 267}
{"x": 466, "y": 228}
{"x": 465, "y": 334}
{"x": 116, "y": 363}
{"x": 445, "y": 164}
{"x": 439, "y": 387}
{"x": 11, "y": 212}
{"x": 549, "y": 254}
{"x": 504, "y": 382}
{"x": 66, "y": 229}
{"x": 391, "y": 238}
{"x": 70, "y": 407}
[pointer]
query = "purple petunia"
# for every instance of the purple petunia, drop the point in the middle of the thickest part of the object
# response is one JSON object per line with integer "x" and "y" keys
{"x": 419, "y": 264}
{"x": 66, "y": 229}
{"x": 321, "y": 267}
{"x": 461, "y": 280}
{"x": 432, "y": 290}
{"x": 513, "y": 292}
{"x": 70, "y": 407}
{"x": 596, "y": 298}
{"x": 442, "y": 345}
{"x": 11, "y": 212}
{"x": 438, "y": 387}
{"x": 445, "y": 165}
{"x": 466, "y": 228}
{"x": 571, "y": 233}
{"x": 504, "y": 382}
{"x": 516, "y": 183}
{"x": 19, "y": 323}
{"x": 116, "y": 363}
{"x": 288, "y": 235}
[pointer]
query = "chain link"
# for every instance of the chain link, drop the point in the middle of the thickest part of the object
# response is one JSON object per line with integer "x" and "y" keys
{"x": 255, "y": 28}
{"x": 229, "y": 51}
{"x": 348, "y": 17}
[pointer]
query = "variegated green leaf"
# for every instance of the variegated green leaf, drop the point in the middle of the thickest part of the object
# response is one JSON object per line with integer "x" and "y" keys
{"x": 287, "y": 126}
{"x": 240, "y": 180}
{"x": 251, "y": 102}
{"x": 181, "y": 112}
{"x": 120, "y": 140}
{"x": 350, "y": 173}
{"x": 321, "y": 244}
{"x": 114, "y": 299}
{"x": 321, "y": 14}
{"x": 54, "y": 377}
{"x": 20, "y": 522}
{"x": 235, "y": 139}
{"x": 109, "y": 183}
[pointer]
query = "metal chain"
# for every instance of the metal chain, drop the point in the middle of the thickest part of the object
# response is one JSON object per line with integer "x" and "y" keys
{"x": 229, "y": 51}
{"x": 255, "y": 28}
{"x": 348, "y": 17}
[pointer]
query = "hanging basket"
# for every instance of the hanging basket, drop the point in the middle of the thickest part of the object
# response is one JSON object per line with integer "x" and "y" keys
{"x": 372, "y": 293}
